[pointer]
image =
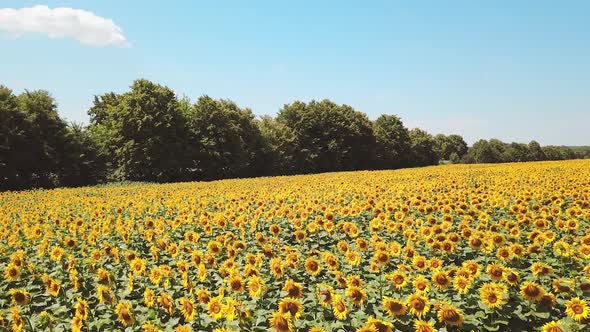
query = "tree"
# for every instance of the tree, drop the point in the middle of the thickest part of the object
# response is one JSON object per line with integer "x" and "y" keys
{"x": 393, "y": 142}
{"x": 279, "y": 147}
{"x": 329, "y": 137}
{"x": 422, "y": 148}
{"x": 225, "y": 140}
{"x": 482, "y": 152}
{"x": 16, "y": 159}
{"x": 83, "y": 165}
{"x": 515, "y": 152}
{"x": 535, "y": 151}
{"x": 141, "y": 132}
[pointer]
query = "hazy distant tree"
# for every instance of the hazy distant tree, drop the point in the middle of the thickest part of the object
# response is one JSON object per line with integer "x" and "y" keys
{"x": 454, "y": 158}
{"x": 422, "y": 148}
{"x": 329, "y": 137}
{"x": 515, "y": 152}
{"x": 393, "y": 142}
{"x": 535, "y": 151}
{"x": 446, "y": 145}
{"x": 483, "y": 152}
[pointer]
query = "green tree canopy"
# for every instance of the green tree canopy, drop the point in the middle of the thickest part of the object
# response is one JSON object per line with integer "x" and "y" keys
{"x": 393, "y": 142}
{"x": 329, "y": 137}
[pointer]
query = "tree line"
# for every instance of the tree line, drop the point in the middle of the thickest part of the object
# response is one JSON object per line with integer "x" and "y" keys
{"x": 150, "y": 134}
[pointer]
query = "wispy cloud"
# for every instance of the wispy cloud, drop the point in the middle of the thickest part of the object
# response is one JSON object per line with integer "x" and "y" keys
{"x": 62, "y": 22}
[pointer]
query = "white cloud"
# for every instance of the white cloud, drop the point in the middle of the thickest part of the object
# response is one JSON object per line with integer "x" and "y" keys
{"x": 62, "y": 22}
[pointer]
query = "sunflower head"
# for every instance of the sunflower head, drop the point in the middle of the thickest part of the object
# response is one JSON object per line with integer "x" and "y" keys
{"x": 394, "y": 307}
{"x": 339, "y": 307}
{"x": 449, "y": 315}
{"x": 291, "y": 306}
{"x": 532, "y": 291}
{"x": 19, "y": 296}
{"x": 577, "y": 309}
{"x": 418, "y": 304}
{"x": 123, "y": 310}
{"x": 281, "y": 322}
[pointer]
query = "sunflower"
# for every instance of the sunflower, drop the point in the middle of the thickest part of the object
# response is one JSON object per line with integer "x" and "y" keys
{"x": 312, "y": 266}
{"x": 450, "y": 315}
{"x": 419, "y": 263}
{"x": 77, "y": 323}
{"x": 512, "y": 277}
{"x": 423, "y": 326}
{"x": 541, "y": 269}
{"x": 236, "y": 284}
{"x": 548, "y": 300}
{"x": 366, "y": 328}
{"x": 155, "y": 275}
{"x": 394, "y": 307}
{"x": 532, "y": 291}
{"x": 381, "y": 257}
{"x": 203, "y": 295}
{"x": 12, "y": 272}
{"x": 291, "y": 306}
{"x": 473, "y": 267}
{"x": 577, "y": 309}
{"x": 421, "y": 284}
{"x": 339, "y": 307}
{"x": 54, "y": 288}
{"x": 56, "y": 254}
{"x": 562, "y": 285}
{"x": 553, "y": 326}
{"x": 166, "y": 302}
{"x": 104, "y": 277}
{"x": 276, "y": 267}
{"x": 187, "y": 307}
{"x": 353, "y": 258}
{"x": 356, "y": 294}
{"x": 418, "y": 304}
{"x": 19, "y": 296}
{"x": 316, "y": 329}
{"x": 183, "y": 328}
{"x": 493, "y": 295}
{"x": 293, "y": 289}
{"x": 495, "y": 271}
{"x": 81, "y": 307}
{"x": 104, "y": 294}
{"x": 124, "y": 312}
{"x": 281, "y": 322}
{"x": 398, "y": 279}
{"x": 462, "y": 284}
{"x": 149, "y": 297}
{"x": 300, "y": 235}
{"x": 324, "y": 294}
{"x": 380, "y": 325}
{"x": 255, "y": 286}
{"x": 441, "y": 279}
{"x": 216, "y": 308}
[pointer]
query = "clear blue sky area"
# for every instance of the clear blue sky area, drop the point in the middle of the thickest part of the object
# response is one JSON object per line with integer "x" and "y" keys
{"x": 513, "y": 70}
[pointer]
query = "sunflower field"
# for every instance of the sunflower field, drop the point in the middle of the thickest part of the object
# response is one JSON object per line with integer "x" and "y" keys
{"x": 447, "y": 248}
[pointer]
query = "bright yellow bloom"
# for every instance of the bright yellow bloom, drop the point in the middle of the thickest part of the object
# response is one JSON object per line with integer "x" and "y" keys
{"x": 577, "y": 309}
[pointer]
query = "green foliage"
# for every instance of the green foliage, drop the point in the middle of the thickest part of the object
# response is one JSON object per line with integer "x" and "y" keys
{"x": 393, "y": 142}
{"x": 224, "y": 140}
{"x": 149, "y": 134}
{"x": 329, "y": 137}
{"x": 422, "y": 148}
{"x": 445, "y": 146}
{"x": 140, "y": 132}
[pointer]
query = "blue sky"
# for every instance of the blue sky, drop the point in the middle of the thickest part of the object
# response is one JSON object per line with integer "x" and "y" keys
{"x": 513, "y": 70}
